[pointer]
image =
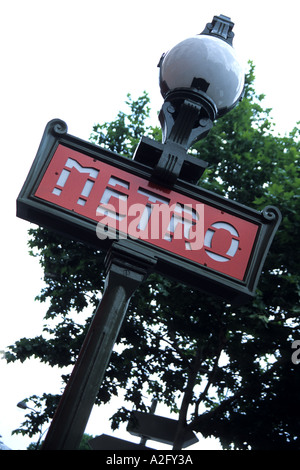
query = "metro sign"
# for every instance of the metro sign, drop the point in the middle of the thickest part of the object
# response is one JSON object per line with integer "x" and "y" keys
{"x": 98, "y": 197}
{"x": 134, "y": 207}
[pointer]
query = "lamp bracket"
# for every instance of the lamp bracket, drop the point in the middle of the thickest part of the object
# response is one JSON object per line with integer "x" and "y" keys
{"x": 168, "y": 162}
{"x": 186, "y": 116}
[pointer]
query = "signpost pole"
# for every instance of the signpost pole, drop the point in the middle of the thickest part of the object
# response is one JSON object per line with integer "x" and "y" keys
{"x": 125, "y": 272}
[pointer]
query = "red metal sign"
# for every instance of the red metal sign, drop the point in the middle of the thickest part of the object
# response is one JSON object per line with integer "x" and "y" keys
{"x": 125, "y": 205}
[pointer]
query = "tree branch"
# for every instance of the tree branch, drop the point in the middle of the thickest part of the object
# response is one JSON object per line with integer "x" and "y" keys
{"x": 199, "y": 421}
{"x": 209, "y": 382}
{"x": 186, "y": 400}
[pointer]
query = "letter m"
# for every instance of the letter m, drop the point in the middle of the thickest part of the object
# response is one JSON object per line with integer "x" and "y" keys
{"x": 71, "y": 164}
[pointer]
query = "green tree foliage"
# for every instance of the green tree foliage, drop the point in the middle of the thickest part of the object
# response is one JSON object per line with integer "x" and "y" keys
{"x": 123, "y": 135}
{"x": 226, "y": 371}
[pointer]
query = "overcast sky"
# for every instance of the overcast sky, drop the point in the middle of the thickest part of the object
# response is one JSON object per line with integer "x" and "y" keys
{"x": 77, "y": 60}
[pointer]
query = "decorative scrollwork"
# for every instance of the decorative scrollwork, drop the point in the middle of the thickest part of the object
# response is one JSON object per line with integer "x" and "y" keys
{"x": 270, "y": 213}
{"x": 59, "y": 127}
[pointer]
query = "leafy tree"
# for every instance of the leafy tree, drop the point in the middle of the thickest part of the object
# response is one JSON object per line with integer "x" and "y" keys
{"x": 227, "y": 371}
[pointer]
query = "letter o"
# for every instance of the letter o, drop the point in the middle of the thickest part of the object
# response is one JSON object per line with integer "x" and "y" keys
{"x": 208, "y": 240}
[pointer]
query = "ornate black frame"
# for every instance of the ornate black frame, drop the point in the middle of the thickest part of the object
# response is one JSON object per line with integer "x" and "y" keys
{"x": 73, "y": 225}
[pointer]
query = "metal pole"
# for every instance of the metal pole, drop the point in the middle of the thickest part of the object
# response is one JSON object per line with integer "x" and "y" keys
{"x": 126, "y": 270}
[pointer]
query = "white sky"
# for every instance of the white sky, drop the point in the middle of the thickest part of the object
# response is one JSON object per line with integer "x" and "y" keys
{"x": 77, "y": 60}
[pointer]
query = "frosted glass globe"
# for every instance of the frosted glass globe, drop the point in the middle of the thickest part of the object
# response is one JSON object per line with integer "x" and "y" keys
{"x": 207, "y": 63}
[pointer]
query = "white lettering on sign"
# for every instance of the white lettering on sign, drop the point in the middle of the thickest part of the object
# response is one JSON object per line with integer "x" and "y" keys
{"x": 163, "y": 224}
{"x": 155, "y": 219}
{"x": 208, "y": 241}
{"x": 105, "y": 208}
{"x": 126, "y": 205}
{"x": 152, "y": 199}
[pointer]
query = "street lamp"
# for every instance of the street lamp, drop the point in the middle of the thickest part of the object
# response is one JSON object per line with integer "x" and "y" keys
{"x": 23, "y": 405}
{"x": 200, "y": 80}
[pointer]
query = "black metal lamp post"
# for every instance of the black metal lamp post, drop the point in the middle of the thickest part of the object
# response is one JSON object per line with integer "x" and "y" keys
{"x": 200, "y": 79}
